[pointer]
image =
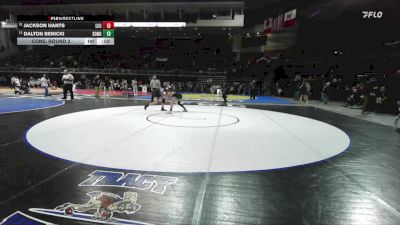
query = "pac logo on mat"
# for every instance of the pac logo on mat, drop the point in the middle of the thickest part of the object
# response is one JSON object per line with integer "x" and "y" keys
{"x": 154, "y": 183}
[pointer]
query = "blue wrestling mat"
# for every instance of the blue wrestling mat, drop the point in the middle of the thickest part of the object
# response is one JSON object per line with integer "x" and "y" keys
{"x": 269, "y": 100}
{"x": 259, "y": 99}
{"x": 10, "y": 105}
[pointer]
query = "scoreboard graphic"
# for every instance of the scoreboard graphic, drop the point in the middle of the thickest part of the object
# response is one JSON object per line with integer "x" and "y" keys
{"x": 65, "y": 30}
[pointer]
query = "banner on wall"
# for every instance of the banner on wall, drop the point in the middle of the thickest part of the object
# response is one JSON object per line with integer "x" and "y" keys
{"x": 268, "y": 25}
{"x": 290, "y": 18}
{"x": 285, "y": 20}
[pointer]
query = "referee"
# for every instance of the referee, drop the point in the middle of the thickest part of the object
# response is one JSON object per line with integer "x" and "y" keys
{"x": 68, "y": 81}
{"x": 155, "y": 86}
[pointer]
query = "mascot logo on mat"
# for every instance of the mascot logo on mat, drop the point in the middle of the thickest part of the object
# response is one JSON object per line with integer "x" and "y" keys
{"x": 105, "y": 204}
{"x": 101, "y": 206}
{"x": 153, "y": 183}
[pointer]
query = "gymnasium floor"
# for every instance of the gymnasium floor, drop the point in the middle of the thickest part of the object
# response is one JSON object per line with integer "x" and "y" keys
{"x": 107, "y": 161}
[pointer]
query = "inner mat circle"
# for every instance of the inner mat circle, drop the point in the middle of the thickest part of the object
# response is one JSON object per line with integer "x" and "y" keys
{"x": 193, "y": 119}
{"x": 124, "y": 138}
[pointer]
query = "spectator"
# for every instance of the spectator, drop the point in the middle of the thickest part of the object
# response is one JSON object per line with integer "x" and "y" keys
{"x": 107, "y": 85}
{"x": 13, "y": 79}
{"x": 253, "y": 90}
{"x": 45, "y": 83}
{"x": 17, "y": 85}
{"x": 134, "y": 87}
{"x": 326, "y": 91}
{"x": 112, "y": 86}
{"x": 304, "y": 91}
{"x": 368, "y": 94}
{"x": 382, "y": 100}
{"x": 96, "y": 83}
{"x": 354, "y": 99}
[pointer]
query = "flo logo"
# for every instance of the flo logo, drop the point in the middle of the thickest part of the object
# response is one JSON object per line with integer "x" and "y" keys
{"x": 372, "y": 14}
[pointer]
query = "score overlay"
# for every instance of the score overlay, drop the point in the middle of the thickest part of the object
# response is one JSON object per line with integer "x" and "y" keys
{"x": 65, "y": 30}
